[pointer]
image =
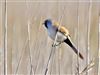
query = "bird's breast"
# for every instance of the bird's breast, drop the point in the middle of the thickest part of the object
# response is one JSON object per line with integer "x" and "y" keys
{"x": 52, "y": 33}
{"x": 60, "y": 37}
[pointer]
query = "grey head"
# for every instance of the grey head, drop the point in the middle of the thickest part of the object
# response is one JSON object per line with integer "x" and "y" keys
{"x": 47, "y": 23}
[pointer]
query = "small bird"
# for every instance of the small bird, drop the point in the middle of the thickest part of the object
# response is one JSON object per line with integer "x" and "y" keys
{"x": 62, "y": 34}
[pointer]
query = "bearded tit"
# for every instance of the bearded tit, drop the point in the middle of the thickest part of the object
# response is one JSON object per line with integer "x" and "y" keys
{"x": 62, "y": 34}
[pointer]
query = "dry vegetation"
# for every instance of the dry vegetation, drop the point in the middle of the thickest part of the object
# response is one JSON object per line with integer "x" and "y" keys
{"x": 25, "y": 46}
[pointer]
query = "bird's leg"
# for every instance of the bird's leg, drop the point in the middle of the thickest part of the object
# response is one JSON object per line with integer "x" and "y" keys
{"x": 58, "y": 44}
{"x": 53, "y": 45}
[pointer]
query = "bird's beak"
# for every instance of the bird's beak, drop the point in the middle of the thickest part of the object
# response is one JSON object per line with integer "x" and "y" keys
{"x": 42, "y": 23}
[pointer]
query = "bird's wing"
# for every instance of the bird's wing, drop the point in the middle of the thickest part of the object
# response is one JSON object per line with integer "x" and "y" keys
{"x": 62, "y": 29}
{"x": 70, "y": 43}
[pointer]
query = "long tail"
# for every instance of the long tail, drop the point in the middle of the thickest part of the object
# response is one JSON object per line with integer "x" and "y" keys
{"x": 68, "y": 41}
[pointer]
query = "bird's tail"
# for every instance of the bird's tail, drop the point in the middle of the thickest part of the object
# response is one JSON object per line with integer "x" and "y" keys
{"x": 68, "y": 41}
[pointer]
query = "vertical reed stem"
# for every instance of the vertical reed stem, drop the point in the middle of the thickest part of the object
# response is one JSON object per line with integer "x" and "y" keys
{"x": 5, "y": 38}
{"x": 78, "y": 39}
{"x": 88, "y": 34}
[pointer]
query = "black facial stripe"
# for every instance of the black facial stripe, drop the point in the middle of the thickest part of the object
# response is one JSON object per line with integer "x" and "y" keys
{"x": 46, "y": 26}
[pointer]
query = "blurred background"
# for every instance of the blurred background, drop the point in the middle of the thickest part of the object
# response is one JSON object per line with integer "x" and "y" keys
{"x": 24, "y": 43}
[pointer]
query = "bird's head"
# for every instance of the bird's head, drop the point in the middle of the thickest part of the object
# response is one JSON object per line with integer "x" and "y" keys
{"x": 47, "y": 23}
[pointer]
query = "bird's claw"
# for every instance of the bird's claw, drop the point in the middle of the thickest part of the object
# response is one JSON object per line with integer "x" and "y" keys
{"x": 53, "y": 45}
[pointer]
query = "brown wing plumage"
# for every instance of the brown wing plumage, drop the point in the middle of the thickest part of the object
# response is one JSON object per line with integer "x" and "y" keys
{"x": 62, "y": 29}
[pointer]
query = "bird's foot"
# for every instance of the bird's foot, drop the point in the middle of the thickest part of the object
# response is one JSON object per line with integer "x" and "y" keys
{"x": 53, "y": 45}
